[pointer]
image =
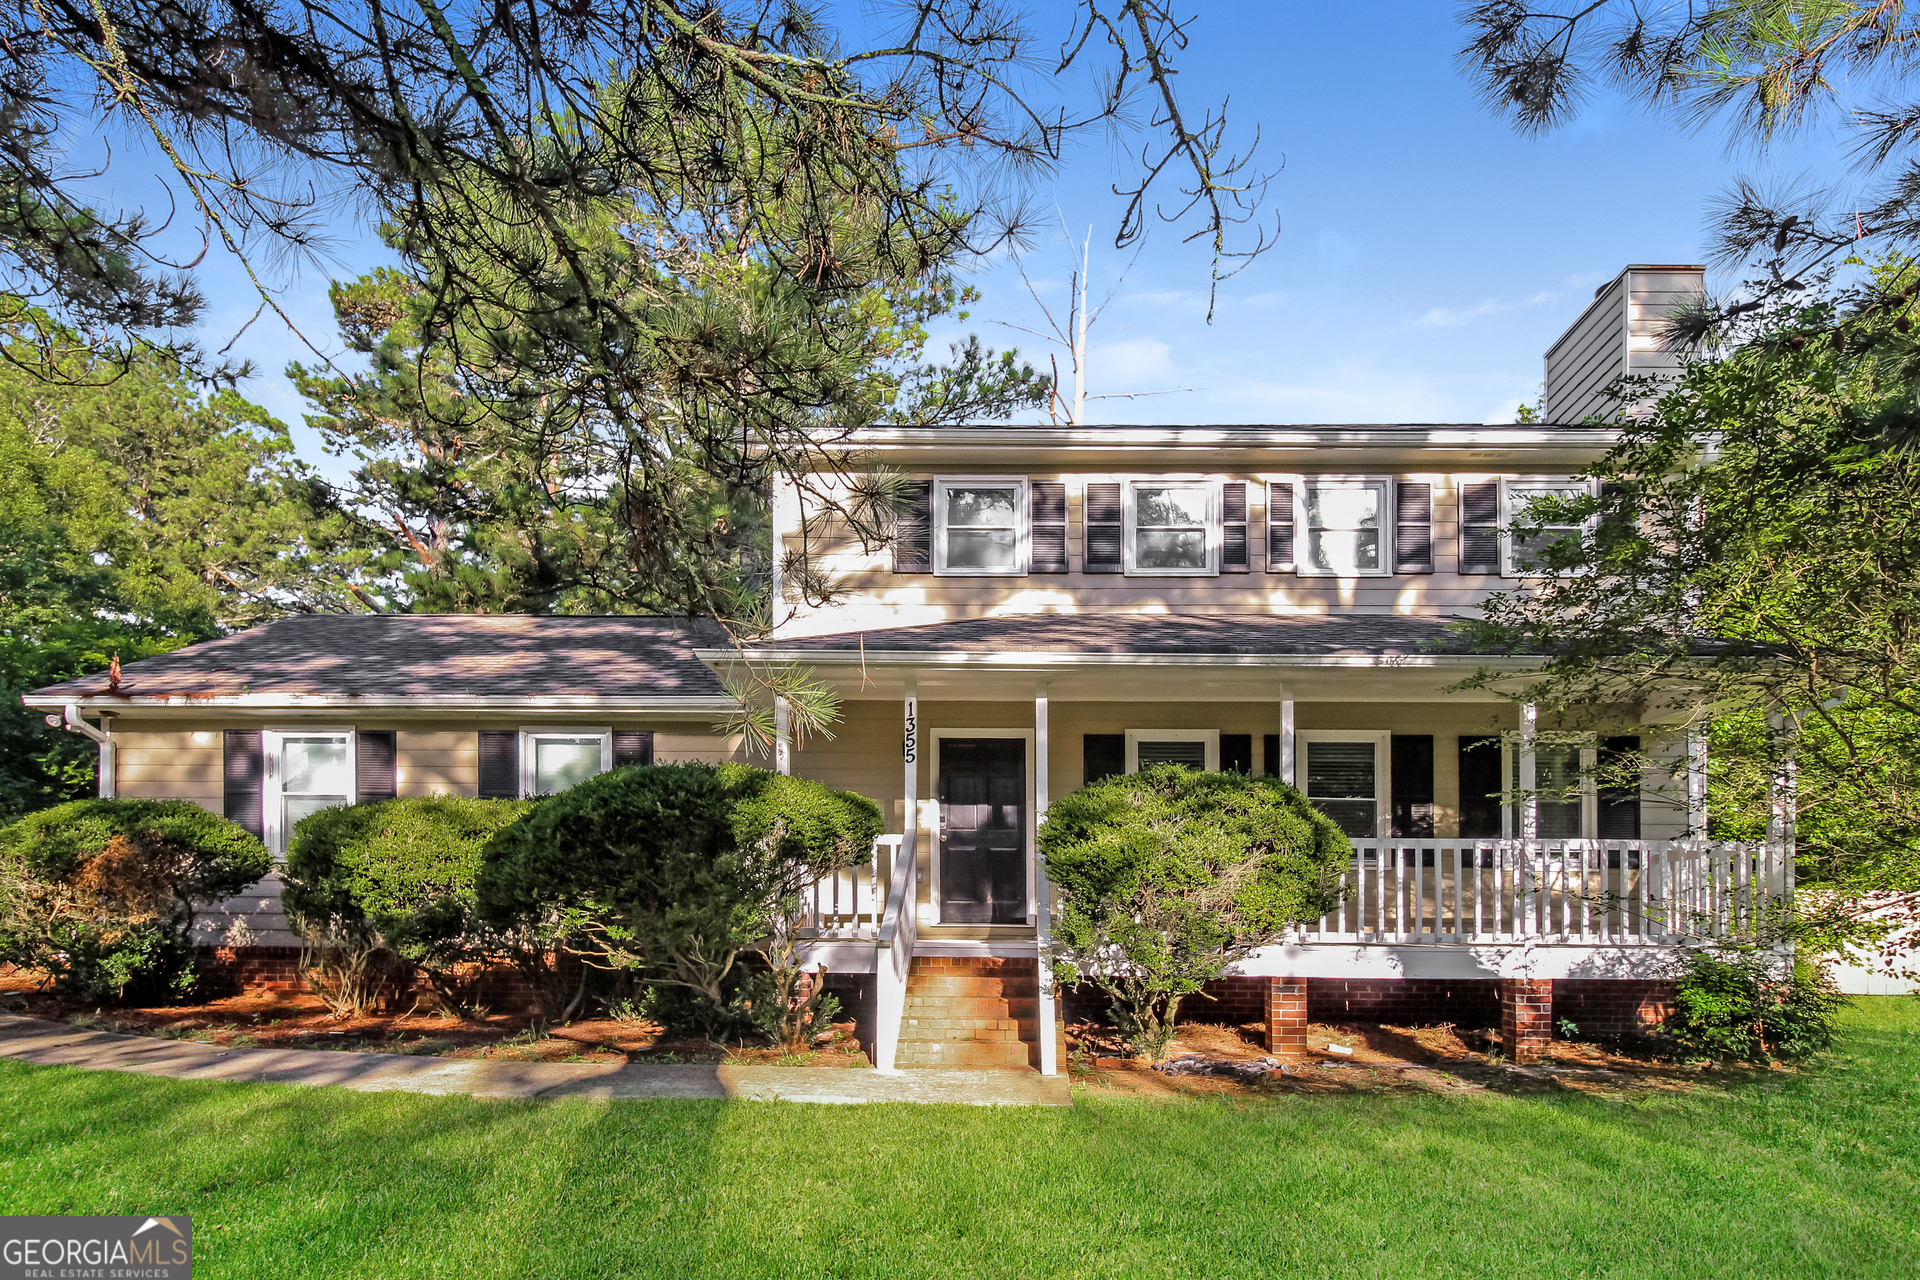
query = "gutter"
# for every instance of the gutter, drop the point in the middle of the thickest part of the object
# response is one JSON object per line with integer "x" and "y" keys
{"x": 1019, "y": 658}
{"x": 702, "y": 705}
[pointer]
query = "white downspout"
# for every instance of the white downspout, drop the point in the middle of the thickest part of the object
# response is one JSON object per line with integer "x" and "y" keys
{"x": 70, "y": 720}
{"x": 1043, "y": 892}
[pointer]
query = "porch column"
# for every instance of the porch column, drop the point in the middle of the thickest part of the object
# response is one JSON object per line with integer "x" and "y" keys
{"x": 1529, "y": 797}
{"x": 1286, "y": 736}
{"x": 1526, "y": 1017}
{"x": 1044, "y": 1010}
{"x": 1783, "y": 808}
{"x": 1287, "y": 1018}
{"x": 910, "y": 778}
{"x": 782, "y": 738}
{"x": 1697, "y": 783}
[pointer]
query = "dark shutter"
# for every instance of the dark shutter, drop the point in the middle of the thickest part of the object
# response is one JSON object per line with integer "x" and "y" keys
{"x": 1480, "y": 527}
{"x": 375, "y": 765}
{"x": 1279, "y": 528}
{"x": 1104, "y": 756}
{"x": 632, "y": 746}
{"x": 244, "y": 769}
{"x": 1413, "y": 527}
{"x": 1233, "y": 528}
{"x": 1480, "y": 785}
{"x": 1236, "y": 753}
{"x": 913, "y": 529}
{"x": 1047, "y": 525}
{"x": 1413, "y": 785}
{"x": 1102, "y": 520}
{"x": 1270, "y": 754}
{"x": 499, "y": 764}
{"x": 1619, "y": 806}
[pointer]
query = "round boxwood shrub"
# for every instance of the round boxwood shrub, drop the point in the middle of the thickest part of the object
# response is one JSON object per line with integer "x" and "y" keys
{"x": 379, "y": 890}
{"x": 675, "y": 871}
{"x": 101, "y": 893}
{"x": 1166, "y": 877}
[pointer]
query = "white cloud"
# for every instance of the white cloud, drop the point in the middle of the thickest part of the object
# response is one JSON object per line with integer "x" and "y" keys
{"x": 1447, "y": 318}
{"x": 1124, "y": 365}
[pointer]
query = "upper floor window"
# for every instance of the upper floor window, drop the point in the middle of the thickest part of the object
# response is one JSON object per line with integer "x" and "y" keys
{"x": 1525, "y": 553}
{"x": 1173, "y": 527}
{"x": 980, "y": 526}
{"x": 1344, "y": 520}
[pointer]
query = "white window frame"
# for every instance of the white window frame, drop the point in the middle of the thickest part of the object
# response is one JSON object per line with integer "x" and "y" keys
{"x": 1510, "y": 511}
{"x": 1211, "y": 737}
{"x": 1303, "y": 533}
{"x": 1129, "y": 508}
{"x": 1382, "y": 740}
{"x": 529, "y": 734}
{"x": 273, "y": 810}
{"x": 1022, "y": 525}
{"x": 1589, "y": 746}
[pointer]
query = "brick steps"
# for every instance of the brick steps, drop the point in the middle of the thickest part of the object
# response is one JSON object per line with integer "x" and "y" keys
{"x": 971, "y": 1012}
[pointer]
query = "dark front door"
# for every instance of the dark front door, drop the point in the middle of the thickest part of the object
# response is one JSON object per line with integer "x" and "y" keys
{"x": 983, "y": 831}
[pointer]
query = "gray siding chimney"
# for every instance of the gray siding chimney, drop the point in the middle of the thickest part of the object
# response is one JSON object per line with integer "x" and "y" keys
{"x": 1618, "y": 334}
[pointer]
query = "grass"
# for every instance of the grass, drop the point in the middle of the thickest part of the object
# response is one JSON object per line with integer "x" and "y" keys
{"x": 1815, "y": 1174}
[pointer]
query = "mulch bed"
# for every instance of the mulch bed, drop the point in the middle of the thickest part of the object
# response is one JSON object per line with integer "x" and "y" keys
{"x": 288, "y": 1020}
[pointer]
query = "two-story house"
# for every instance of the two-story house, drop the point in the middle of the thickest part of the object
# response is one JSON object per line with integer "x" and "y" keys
{"x": 1063, "y": 603}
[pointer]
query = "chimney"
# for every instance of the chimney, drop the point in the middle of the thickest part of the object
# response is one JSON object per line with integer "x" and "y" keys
{"x": 1618, "y": 334}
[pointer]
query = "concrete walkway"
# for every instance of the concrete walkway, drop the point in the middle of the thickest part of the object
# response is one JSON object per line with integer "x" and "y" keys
{"x": 58, "y": 1044}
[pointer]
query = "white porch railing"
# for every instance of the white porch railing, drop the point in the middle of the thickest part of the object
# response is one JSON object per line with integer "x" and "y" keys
{"x": 898, "y": 928}
{"x": 1594, "y": 891}
{"x": 850, "y": 903}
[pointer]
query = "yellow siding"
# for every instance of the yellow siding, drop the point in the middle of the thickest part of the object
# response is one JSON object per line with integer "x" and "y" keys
{"x": 170, "y": 764}
{"x": 438, "y": 760}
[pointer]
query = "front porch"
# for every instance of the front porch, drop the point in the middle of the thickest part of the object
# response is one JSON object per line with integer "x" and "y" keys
{"x": 1479, "y": 855}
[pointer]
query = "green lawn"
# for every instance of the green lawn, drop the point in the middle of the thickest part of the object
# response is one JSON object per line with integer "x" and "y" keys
{"x": 1790, "y": 1176}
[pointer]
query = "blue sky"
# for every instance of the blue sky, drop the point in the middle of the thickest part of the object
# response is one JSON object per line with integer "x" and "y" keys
{"x": 1426, "y": 257}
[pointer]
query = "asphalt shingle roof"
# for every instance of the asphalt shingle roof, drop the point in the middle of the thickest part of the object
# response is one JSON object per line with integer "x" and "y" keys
{"x": 1171, "y": 634}
{"x": 421, "y": 655}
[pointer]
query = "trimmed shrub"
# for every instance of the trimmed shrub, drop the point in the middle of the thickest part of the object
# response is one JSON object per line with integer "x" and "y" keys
{"x": 1166, "y": 877}
{"x": 381, "y": 890}
{"x": 101, "y": 893}
{"x": 674, "y": 871}
{"x": 1747, "y": 1006}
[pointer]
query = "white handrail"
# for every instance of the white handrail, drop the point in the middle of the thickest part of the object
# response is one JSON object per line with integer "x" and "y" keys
{"x": 1591, "y": 891}
{"x": 894, "y": 944}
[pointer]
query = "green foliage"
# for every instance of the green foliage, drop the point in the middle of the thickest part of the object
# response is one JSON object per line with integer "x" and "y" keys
{"x": 101, "y": 893}
{"x": 1166, "y": 877}
{"x": 1740, "y": 1005}
{"x": 673, "y": 871}
{"x": 138, "y": 513}
{"x": 382, "y": 889}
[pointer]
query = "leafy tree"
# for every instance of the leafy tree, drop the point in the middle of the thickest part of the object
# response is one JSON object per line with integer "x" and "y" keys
{"x": 1167, "y": 877}
{"x": 138, "y": 512}
{"x": 1752, "y": 568}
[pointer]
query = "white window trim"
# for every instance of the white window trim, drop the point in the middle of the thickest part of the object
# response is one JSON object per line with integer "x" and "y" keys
{"x": 1022, "y": 525}
{"x": 1211, "y": 737}
{"x": 272, "y": 810}
{"x": 1129, "y": 522}
{"x": 1382, "y": 741}
{"x": 1589, "y": 793}
{"x": 530, "y": 733}
{"x": 1509, "y": 512}
{"x": 1303, "y": 534}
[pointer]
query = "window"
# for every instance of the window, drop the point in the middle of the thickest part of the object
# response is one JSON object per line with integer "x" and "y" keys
{"x": 1173, "y": 527}
{"x": 1570, "y": 806}
{"x": 980, "y": 526}
{"x": 1194, "y": 748}
{"x": 553, "y": 760}
{"x": 1524, "y": 552}
{"x": 307, "y": 771}
{"x": 1344, "y": 521}
{"x": 1347, "y": 777}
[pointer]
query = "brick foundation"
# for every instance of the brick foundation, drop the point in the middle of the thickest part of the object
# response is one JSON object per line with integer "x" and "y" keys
{"x": 1287, "y": 1018}
{"x": 1612, "y": 1008}
{"x": 1526, "y": 1017}
{"x": 1405, "y": 1002}
{"x": 226, "y": 971}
